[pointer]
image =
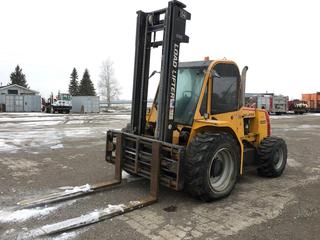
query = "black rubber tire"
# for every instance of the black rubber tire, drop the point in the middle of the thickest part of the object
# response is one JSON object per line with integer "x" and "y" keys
{"x": 269, "y": 154}
{"x": 199, "y": 157}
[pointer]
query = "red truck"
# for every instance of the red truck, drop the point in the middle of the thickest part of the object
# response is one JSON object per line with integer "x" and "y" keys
{"x": 298, "y": 106}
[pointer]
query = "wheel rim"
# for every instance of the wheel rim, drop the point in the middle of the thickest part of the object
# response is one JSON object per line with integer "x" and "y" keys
{"x": 221, "y": 169}
{"x": 278, "y": 158}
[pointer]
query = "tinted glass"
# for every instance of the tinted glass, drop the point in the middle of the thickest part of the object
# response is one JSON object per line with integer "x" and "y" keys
{"x": 203, "y": 108}
{"x": 65, "y": 97}
{"x": 189, "y": 85}
{"x": 226, "y": 80}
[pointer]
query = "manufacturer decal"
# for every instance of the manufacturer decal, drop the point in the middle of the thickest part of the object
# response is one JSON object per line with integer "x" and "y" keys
{"x": 173, "y": 86}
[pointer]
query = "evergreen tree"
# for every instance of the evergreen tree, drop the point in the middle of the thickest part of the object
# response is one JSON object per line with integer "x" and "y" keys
{"x": 74, "y": 84}
{"x": 17, "y": 77}
{"x": 86, "y": 87}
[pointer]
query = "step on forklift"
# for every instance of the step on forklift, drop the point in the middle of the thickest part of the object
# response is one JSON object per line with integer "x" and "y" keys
{"x": 197, "y": 136}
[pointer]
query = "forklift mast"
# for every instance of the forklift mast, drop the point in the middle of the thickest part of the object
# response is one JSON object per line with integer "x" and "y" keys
{"x": 172, "y": 21}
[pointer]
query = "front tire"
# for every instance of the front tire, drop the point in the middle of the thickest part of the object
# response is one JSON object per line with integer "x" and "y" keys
{"x": 272, "y": 154}
{"x": 212, "y": 165}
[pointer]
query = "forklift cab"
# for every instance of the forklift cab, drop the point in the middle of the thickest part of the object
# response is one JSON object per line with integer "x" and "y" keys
{"x": 194, "y": 78}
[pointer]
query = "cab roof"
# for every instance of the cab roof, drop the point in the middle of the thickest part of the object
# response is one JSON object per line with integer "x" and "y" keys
{"x": 204, "y": 64}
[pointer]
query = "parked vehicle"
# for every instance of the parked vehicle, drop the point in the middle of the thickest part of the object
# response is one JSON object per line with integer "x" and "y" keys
{"x": 277, "y": 104}
{"x": 61, "y": 104}
{"x": 298, "y": 106}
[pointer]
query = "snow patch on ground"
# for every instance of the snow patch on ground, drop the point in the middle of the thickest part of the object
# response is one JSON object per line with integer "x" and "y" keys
{"x": 125, "y": 175}
{"x": 282, "y": 116}
{"x": 20, "y": 167}
{"x": 134, "y": 202}
{"x": 46, "y": 138}
{"x": 66, "y": 235}
{"x": 21, "y": 215}
{"x": 4, "y": 147}
{"x": 30, "y": 132}
{"x": 130, "y": 178}
{"x": 57, "y": 146}
{"x": 293, "y": 116}
{"x": 40, "y": 123}
{"x": 30, "y": 119}
{"x": 24, "y": 139}
{"x": 89, "y": 218}
{"x": 24, "y": 214}
{"x": 293, "y": 163}
{"x": 78, "y": 122}
{"x": 83, "y": 188}
{"x": 308, "y": 126}
{"x": 113, "y": 208}
{"x": 303, "y": 127}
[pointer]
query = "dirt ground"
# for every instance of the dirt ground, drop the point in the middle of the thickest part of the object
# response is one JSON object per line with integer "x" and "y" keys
{"x": 45, "y": 153}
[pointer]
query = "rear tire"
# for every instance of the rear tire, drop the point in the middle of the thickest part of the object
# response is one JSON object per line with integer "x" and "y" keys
{"x": 272, "y": 154}
{"x": 212, "y": 165}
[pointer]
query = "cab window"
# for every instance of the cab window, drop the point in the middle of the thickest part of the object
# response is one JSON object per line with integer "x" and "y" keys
{"x": 225, "y": 88}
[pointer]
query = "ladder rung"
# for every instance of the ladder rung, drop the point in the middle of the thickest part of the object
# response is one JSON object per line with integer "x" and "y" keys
{"x": 158, "y": 12}
{"x": 155, "y": 28}
{"x": 156, "y": 44}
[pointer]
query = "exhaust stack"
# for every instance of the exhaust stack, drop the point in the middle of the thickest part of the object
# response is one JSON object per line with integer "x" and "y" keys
{"x": 243, "y": 85}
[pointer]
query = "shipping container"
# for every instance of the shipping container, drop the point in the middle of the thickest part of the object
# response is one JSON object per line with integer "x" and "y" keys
{"x": 313, "y": 101}
{"x": 85, "y": 104}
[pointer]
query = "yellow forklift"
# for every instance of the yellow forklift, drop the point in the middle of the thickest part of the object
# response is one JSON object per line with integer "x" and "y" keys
{"x": 197, "y": 136}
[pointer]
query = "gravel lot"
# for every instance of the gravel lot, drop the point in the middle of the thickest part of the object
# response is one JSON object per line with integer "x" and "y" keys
{"x": 42, "y": 153}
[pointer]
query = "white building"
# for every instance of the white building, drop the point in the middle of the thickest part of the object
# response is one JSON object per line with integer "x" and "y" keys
{"x": 19, "y": 99}
{"x": 17, "y": 90}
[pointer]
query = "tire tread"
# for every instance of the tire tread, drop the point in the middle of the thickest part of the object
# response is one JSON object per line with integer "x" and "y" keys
{"x": 196, "y": 159}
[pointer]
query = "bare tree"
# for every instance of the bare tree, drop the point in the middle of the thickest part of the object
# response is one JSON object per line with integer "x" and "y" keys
{"x": 108, "y": 86}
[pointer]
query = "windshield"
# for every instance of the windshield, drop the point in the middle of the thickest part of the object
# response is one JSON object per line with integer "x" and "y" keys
{"x": 189, "y": 85}
{"x": 65, "y": 97}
